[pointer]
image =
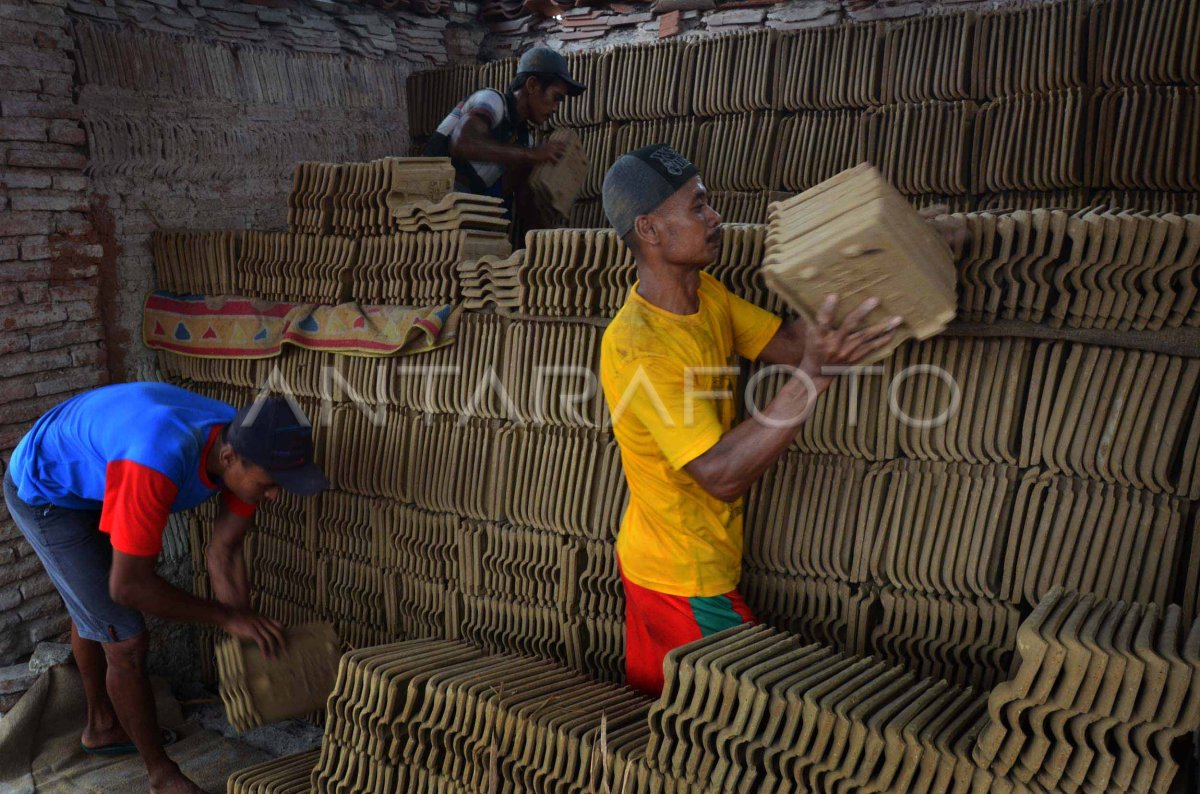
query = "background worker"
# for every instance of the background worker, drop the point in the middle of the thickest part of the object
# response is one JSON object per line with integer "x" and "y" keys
{"x": 91, "y": 486}
{"x": 487, "y": 136}
{"x": 663, "y": 356}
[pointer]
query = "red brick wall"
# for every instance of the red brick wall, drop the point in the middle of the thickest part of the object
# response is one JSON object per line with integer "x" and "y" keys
{"x": 51, "y": 337}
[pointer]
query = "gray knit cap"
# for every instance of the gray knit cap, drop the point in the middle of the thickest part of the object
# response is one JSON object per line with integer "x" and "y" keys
{"x": 640, "y": 181}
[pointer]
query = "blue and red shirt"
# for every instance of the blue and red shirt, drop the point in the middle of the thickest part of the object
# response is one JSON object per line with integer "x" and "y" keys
{"x": 134, "y": 451}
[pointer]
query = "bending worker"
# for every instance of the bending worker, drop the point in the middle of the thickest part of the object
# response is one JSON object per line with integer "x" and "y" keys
{"x": 487, "y": 136}
{"x": 662, "y": 359}
{"x": 90, "y": 487}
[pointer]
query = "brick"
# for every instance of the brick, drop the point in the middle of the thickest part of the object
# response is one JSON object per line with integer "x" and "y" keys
{"x": 41, "y": 108}
{"x": 32, "y": 58}
{"x": 52, "y": 626}
{"x": 36, "y": 586}
{"x": 74, "y": 381}
{"x": 33, "y": 292}
{"x": 668, "y": 25}
{"x": 21, "y": 387}
{"x": 9, "y": 599}
{"x": 42, "y": 606}
{"x": 89, "y": 355}
{"x": 38, "y": 158}
{"x": 46, "y": 201}
{"x": 71, "y": 181}
{"x": 80, "y": 310}
{"x": 72, "y": 334}
{"x": 74, "y": 292}
{"x": 58, "y": 85}
{"x": 9, "y": 293}
{"x": 8, "y": 251}
{"x": 63, "y": 131}
{"x": 26, "y": 33}
{"x": 49, "y": 654}
{"x": 72, "y": 223}
{"x": 87, "y": 250}
{"x": 35, "y": 248}
{"x": 12, "y": 365}
{"x": 23, "y": 129}
{"x": 7, "y": 556}
{"x": 13, "y": 342}
{"x": 32, "y": 317}
{"x": 15, "y": 178}
{"x": 22, "y": 548}
{"x": 15, "y": 224}
{"x": 18, "y": 571}
{"x": 36, "y": 14}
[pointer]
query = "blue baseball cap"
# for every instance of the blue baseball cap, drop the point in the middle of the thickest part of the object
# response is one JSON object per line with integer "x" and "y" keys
{"x": 641, "y": 180}
{"x": 543, "y": 60}
{"x": 272, "y": 434}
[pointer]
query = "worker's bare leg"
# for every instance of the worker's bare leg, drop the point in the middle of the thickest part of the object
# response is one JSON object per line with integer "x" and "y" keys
{"x": 129, "y": 689}
{"x": 102, "y": 724}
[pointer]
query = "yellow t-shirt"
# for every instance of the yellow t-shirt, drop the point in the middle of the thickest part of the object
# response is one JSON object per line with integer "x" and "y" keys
{"x": 663, "y": 375}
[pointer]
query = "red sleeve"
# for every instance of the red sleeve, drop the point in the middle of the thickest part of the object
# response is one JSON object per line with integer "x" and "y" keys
{"x": 237, "y": 506}
{"x": 137, "y": 501}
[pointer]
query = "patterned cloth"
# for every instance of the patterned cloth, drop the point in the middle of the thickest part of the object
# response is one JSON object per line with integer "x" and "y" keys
{"x": 233, "y": 327}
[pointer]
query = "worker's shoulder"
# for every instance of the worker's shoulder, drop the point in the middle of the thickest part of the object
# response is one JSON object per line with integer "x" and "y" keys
{"x": 633, "y": 335}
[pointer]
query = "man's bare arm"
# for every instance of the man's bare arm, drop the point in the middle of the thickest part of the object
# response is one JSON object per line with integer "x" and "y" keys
{"x": 472, "y": 141}
{"x": 732, "y": 465}
{"x": 225, "y": 560}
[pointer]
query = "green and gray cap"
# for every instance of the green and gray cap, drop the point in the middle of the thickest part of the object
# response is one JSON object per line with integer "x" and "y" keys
{"x": 640, "y": 181}
{"x": 543, "y": 60}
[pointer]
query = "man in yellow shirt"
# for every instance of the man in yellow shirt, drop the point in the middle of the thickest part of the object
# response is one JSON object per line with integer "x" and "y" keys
{"x": 665, "y": 365}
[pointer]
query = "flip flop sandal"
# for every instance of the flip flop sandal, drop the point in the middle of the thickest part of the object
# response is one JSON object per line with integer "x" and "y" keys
{"x": 126, "y": 748}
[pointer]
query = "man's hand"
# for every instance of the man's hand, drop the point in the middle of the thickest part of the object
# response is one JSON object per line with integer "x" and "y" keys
{"x": 830, "y": 345}
{"x": 245, "y": 624}
{"x": 548, "y": 152}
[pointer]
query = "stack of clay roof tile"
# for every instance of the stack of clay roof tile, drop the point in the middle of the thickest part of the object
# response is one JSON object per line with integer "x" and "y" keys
{"x": 935, "y": 527}
{"x": 436, "y": 715}
{"x": 196, "y": 262}
{"x": 1117, "y": 32}
{"x": 961, "y": 640}
{"x": 589, "y": 214}
{"x": 816, "y": 145}
{"x": 456, "y": 379}
{"x": 357, "y": 198}
{"x": 1147, "y": 138}
{"x": 730, "y": 152}
{"x": 562, "y": 479}
{"x": 799, "y": 514}
{"x": 491, "y": 282}
{"x": 1151, "y": 200}
{"x": 581, "y": 273}
{"x": 450, "y": 464}
{"x": 737, "y": 265}
{"x": 419, "y": 268}
{"x": 1030, "y": 49}
{"x": 733, "y": 73}
{"x": 749, "y": 709}
{"x": 555, "y": 186}
{"x": 1010, "y": 142}
{"x": 235, "y": 371}
{"x": 677, "y": 132}
{"x": 829, "y": 68}
{"x": 1114, "y": 415}
{"x": 549, "y": 370}
{"x": 742, "y": 206}
{"x": 602, "y": 611}
{"x": 287, "y": 775}
{"x": 827, "y": 611}
{"x": 928, "y": 58}
{"x": 283, "y": 266}
{"x": 257, "y": 690}
{"x": 1091, "y": 269}
{"x": 922, "y": 148}
{"x": 864, "y": 223}
{"x": 453, "y": 211}
{"x": 664, "y": 73}
{"x": 592, "y": 69}
{"x": 1102, "y": 691}
{"x": 959, "y": 398}
{"x": 433, "y": 93}
{"x": 418, "y": 542}
{"x": 1095, "y": 537}
{"x": 1010, "y": 200}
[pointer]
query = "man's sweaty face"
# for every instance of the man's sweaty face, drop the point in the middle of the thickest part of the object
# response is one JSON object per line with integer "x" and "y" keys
{"x": 692, "y": 228}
